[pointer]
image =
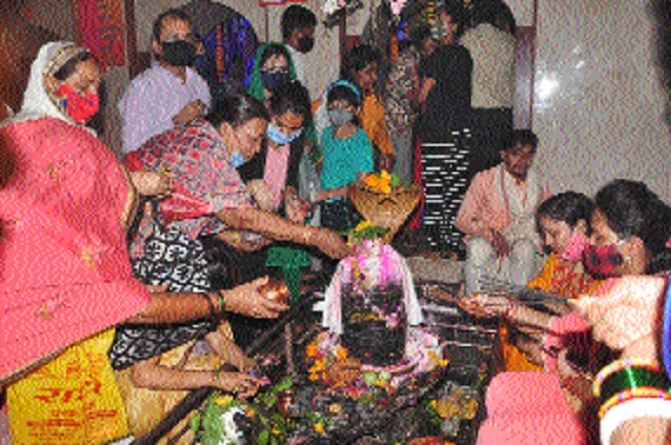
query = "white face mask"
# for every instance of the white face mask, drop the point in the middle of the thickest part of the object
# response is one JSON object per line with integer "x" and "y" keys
{"x": 340, "y": 117}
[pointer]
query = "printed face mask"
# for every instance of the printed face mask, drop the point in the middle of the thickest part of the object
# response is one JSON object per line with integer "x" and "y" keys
{"x": 276, "y": 135}
{"x": 340, "y": 117}
{"x": 81, "y": 108}
{"x": 179, "y": 53}
{"x": 236, "y": 159}
{"x": 602, "y": 260}
{"x": 575, "y": 248}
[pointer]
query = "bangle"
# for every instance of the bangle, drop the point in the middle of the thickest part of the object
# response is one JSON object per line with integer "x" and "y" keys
{"x": 210, "y": 302}
{"x": 222, "y": 302}
{"x": 620, "y": 365}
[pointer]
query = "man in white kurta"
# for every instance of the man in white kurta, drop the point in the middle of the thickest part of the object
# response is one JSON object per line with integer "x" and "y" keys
{"x": 498, "y": 217}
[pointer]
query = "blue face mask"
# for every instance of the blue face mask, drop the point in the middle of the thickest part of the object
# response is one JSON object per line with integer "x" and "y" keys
{"x": 276, "y": 135}
{"x": 236, "y": 159}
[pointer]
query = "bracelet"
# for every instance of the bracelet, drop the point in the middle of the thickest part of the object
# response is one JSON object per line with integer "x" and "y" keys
{"x": 628, "y": 379}
{"x": 222, "y": 302}
{"x": 210, "y": 302}
{"x": 633, "y": 393}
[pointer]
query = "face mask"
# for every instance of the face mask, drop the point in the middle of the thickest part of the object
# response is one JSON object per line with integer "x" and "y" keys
{"x": 271, "y": 80}
{"x": 179, "y": 53}
{"x": 602, "y": 260}
{"x": 236, "y": 159}
{"x": 81, "y": 108}
{"x": 305, "y": 44}
{"x": 340, "y": 117}
{"x": 575, "y": 248}
{"x": 276, "y": 135}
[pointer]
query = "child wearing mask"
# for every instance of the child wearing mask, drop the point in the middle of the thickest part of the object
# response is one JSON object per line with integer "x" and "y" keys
{"x": 347, "y": 155}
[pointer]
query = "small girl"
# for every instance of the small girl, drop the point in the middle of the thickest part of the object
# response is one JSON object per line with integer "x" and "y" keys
{"x": 347, "y": 154}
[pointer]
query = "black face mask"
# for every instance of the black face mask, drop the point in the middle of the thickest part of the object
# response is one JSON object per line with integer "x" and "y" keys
{"x": 305, "y": 44}
{"x": 271, "y": 80}
{"x": 179, "y": 53}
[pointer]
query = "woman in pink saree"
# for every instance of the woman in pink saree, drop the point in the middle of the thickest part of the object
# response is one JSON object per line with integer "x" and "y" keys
{"x": 65, "y": 275}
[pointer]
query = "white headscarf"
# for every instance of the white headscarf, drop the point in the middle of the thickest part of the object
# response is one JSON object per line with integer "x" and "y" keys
{"x": 37, "y": 103}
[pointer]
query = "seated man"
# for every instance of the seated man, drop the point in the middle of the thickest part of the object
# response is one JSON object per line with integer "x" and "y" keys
{"x": 497, "y": 215}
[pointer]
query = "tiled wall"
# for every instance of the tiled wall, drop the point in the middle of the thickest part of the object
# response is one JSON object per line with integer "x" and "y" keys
{"x": 598, "y": 102}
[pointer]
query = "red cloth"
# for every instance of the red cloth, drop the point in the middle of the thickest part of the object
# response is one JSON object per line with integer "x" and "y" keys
{"x": 64, "y": 267}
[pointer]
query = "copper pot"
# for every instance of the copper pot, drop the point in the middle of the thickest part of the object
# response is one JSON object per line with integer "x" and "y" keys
{"x": 275, "y": 290}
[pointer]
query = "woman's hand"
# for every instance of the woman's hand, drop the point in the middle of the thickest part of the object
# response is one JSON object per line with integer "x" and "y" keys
{"x": 628, "y": 312}
{"x": 190, "y": 111}
{"x": 262, "y": 194}
{"x": 240, "y": 383}
{"x": 296, "y": 209}
{"x": 150, "y": 183}
{"x": 247, "y": 300}
{"x": 328, "y": 242}
{"x": 484, "y": 305}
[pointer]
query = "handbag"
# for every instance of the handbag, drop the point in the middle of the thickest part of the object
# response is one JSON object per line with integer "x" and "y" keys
{"x": 173, "y": 259}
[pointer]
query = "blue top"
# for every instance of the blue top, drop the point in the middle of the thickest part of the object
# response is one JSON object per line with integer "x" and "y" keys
{"x": 344, "y": 159}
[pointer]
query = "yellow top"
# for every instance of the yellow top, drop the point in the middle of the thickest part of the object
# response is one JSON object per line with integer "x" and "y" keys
{"x": 373, "y": 124}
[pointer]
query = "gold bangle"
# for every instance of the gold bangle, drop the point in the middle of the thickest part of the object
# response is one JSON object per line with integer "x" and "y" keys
{"x": 215, "y": 377}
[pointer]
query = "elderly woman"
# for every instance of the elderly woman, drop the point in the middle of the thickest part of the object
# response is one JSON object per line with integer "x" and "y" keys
{"x": 202, "y": 158}
{"x": 66, "y": 275}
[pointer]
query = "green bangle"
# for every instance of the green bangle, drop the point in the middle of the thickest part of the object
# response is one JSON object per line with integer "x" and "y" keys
{"x": 222, "y": 302}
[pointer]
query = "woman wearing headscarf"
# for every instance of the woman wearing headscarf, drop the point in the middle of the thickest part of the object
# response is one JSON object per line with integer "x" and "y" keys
{"x": 272, "y": 66}
{"x": 65, "y": 277}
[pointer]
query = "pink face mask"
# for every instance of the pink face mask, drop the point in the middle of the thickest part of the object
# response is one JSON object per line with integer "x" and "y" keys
{"x": 81, "y": 108}
{"x": 575, "y": 248}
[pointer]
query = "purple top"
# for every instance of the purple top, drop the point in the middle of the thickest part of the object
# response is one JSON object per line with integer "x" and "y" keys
{"x": 153, "y": 98}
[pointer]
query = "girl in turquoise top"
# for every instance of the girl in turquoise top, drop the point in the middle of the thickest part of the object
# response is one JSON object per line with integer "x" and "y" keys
{"x": 347, "y": 154}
